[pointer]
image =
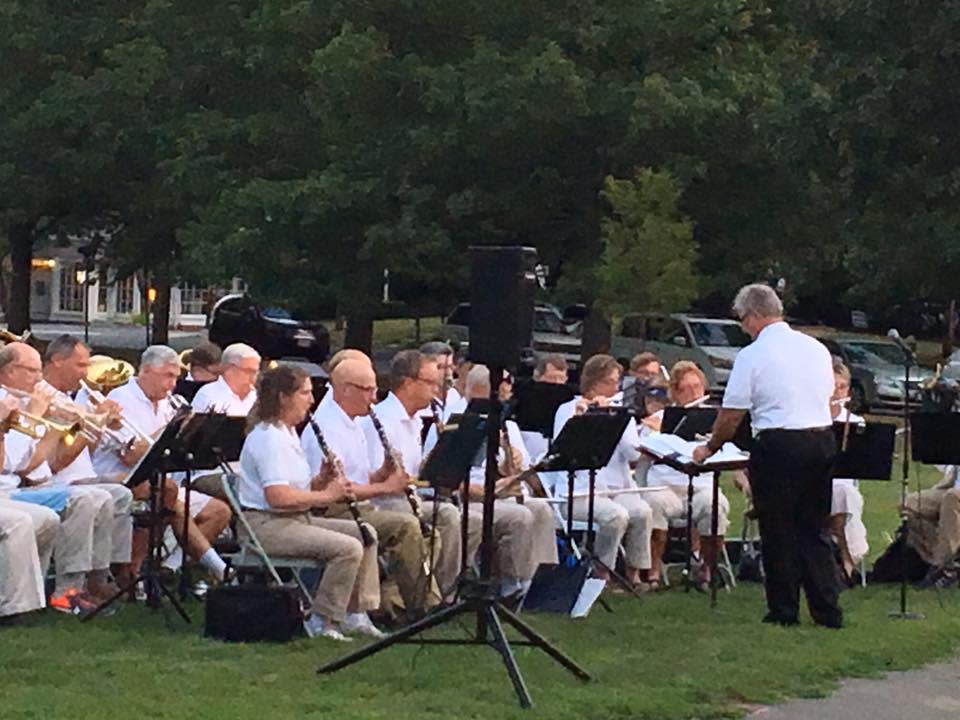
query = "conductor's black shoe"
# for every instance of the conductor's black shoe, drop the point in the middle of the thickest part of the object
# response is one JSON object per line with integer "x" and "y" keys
{"x": 772, "y": 619}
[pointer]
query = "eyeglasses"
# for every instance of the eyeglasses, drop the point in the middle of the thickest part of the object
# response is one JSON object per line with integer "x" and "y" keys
{"x": 428, "y": 381}
{"x": 363, "y": 388}
{"x": 34, "y": 370}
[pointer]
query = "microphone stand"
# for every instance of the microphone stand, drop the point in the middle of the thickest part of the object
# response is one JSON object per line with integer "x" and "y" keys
{"x": 902, "y": 532}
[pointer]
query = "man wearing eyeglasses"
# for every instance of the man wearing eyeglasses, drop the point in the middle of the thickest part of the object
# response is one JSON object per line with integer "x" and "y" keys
{"x": 353, "y": 390}
{"x": 413, "y": 378}
{"x": 785, "y": 380}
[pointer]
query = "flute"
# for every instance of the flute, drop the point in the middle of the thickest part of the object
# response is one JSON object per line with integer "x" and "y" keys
{"x": 398, "y": 462}
{"x": 338, "y": 468}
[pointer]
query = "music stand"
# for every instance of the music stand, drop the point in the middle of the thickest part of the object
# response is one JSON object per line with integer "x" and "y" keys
{"x": 535, "y": 404}
{"x": 150, "y": 469}
{"x": 693, "y": 422}
{"x": 476, "y": 596}
{"x": 204, "y": 441}
{"x": 865, "y": 450}
{"x": 587, "y": 442}
{"x": 691, "y": 469}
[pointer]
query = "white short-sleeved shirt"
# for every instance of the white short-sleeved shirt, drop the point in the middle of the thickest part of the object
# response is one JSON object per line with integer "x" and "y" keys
{"x": 218, "y": 396}
{"x": 455, "y": 408}
{"x": 139, "y": 410}
{"x": 784, "y": 378}
{"x": 271, "y": 455}
{"x": 478, "y": 472}
{"x": 21, "y": 447}
{"x": 403, "y": 432}
{"x": 82, "y": 466}
{"x": 615, "y": 475}
{"x": 17, "y": 451}
{"x": 345, "y": 438}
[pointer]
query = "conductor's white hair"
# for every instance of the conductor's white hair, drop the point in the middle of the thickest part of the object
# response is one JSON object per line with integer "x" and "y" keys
{"x": 233, "y": 354}
{"x": 478, "y": 377}
{"x": 757, "y": 299}
{"x": 157, "y": 355}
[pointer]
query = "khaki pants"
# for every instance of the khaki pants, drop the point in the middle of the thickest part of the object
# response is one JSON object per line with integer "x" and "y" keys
{"x": 942, "y": 505}
{"x": 399, "y": 536}
{"x": 350, "y": 570}
{"x": 121, "y": 532}
{"x": 27, "y": 533}
{"x": 671, "y": 504}
{"x": 83, "y": 537}
{"x": 447, "y": 541}
{"x": 625, "y": 518}
{"x": 524, "y": 535}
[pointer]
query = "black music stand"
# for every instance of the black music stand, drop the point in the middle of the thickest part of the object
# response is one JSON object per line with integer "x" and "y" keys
{"x": 535, "y": 404}
{"x": 204, "y": 441}
{"x": 587, "y": 442}
{"x": 865, "y": 450}
{"x": 477, "y": 597}
{"x": 691, "y": 469}
{"x": 150, "y": 469}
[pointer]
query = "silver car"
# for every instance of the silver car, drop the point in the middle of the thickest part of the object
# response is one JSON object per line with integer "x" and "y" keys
{"x": 711, "y": 343}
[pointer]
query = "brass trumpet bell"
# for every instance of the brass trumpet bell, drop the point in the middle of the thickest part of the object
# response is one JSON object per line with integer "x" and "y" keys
{"x": 27, "y": 424}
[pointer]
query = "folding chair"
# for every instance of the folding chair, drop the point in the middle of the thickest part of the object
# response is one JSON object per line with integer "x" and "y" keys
{"x": 251, "y": 548}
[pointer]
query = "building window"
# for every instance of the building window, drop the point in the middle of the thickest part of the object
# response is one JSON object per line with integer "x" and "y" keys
{"x": 125, "y": 296}
{"x": 192, "y": 299}
{"x": 71, "y": 291}
{"x": 102, "y": 295}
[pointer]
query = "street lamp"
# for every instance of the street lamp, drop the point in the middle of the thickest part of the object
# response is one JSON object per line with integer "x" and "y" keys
{"x": 81, "y": 276}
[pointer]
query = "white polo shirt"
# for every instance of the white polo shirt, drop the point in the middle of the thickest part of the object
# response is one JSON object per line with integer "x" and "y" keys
{"x": 218, "y": 396}
{"x": 615, "y": 475}
{"x": 139, "y": 410}
{"x": 271, "y": 455}
{"x": 784, "y": 378}
{"x": 344, "y": 437}
{"x": 402, "y": 431}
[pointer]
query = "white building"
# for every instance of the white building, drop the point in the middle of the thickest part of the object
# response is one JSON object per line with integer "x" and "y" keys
{"x": 57, "y": 290}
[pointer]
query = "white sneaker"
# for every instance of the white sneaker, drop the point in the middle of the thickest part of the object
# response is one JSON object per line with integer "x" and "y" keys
{"x": 316, "y": 626}
{"x": 361, "y": 624}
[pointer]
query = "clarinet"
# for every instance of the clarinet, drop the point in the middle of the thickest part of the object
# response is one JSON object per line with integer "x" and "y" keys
{"x": 398, "y": 461}
{"x": 338, "y": 467}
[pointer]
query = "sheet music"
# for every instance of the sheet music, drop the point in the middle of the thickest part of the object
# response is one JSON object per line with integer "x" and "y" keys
{"x": 664, "y": 445}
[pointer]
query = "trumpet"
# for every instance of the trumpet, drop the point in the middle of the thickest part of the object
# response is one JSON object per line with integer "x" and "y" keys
{"x": 97, "y": 397}
{"x": 27, "y": 424}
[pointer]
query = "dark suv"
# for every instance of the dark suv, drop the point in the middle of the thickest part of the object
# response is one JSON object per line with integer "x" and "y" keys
{"x": 272, "y": 331}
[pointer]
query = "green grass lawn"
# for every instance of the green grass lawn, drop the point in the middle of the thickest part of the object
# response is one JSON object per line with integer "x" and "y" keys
{"x": 666, "y": 656}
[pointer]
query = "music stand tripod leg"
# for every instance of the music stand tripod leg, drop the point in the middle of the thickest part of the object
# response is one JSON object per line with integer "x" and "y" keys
{"x": 503, "y": 647}
{"x": 541, "y": 642}
{"x": 688, "y": 563}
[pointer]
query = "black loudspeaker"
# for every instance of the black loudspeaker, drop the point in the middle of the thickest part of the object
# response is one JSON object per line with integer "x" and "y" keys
{"x": 502, "y": 283}
{"x": 253, "y": 613}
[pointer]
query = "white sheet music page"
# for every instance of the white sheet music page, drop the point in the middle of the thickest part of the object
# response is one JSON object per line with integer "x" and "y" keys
{"x": 664, "y": 445}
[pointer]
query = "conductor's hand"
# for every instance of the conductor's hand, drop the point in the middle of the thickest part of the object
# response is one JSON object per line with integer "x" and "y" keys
{"x": 701, "y": 453}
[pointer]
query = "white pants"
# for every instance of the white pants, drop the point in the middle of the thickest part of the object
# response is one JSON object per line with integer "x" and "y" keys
{"x": 671, "y": 504}
{"x": 848, "y": 501}
{"x": 625, "y": 518}
{"x": 27, "y": 534}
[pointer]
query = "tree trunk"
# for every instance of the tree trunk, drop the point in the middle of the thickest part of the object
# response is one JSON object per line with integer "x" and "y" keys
{"x": 161, "y": 310}
{"x": 359, "y": 330}
{"x": 596, "y": 334}
{"x": 21, "y": 257}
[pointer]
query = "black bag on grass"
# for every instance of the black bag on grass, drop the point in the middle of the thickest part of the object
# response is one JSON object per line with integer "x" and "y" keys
{"x": 889, "y": 566}
{"x": 253, "y": 613}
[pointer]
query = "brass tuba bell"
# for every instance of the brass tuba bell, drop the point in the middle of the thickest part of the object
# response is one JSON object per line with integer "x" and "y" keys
{"x": 106, "y": 373}
{"x": 8, "y": 337}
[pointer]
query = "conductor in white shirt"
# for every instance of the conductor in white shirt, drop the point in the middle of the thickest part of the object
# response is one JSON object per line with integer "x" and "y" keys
{"x": 785, "y": 380}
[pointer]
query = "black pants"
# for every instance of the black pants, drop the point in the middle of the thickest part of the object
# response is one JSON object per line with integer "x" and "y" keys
{"x": 790, "y": 474}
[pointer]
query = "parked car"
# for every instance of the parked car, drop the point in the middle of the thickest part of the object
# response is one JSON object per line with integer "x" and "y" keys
{"x": 550, "y": 333}
{"x": 877, "y": 372}
{"x": 272, "y": 331}
{"x": 712, "y": 343}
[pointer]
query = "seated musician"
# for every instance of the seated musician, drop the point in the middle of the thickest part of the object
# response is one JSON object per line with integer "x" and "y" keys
{"x": 687, "y": 384}
{"x": 84, "y": 543}
{"x": 27, "y": 533}
{"x": 145, "y": 404}
{"x": 278, "y": 491}
{"x": 413, "y": 378}
{"x": 353, "y": 386}
{"x": 442, "y": 354}
{"x": 66, "y": 364}
{"x": 462, "y": 365}
{"x": 620, "y": 517}
{"x": 523, "y": 526}
{"x": 549, "y": 369}
{"x": 234, "y": 392}
{"x": 203, "y": 366}
{"x": 846, "y": 506}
